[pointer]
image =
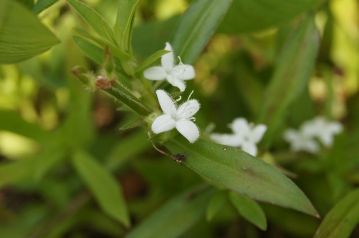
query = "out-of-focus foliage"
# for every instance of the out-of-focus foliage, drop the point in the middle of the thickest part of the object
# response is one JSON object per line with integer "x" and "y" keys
{"x": 77, "y": 158}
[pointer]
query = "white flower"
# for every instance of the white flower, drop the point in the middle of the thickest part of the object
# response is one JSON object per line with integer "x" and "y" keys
{"x": 322, "y": 129}
{"x": 300, "y": 142}
{"x": 245, "y": 135}
{"x": 176, "y": 117}
{"x": 174, "y": 74}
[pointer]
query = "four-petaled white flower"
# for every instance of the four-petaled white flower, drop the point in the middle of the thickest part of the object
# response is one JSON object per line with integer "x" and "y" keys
{"x": 300, "y": 142}
{"x": 176, "y": 117}
{"x": 245, "y": 135}
{"x": 305, "y": 139}
{"x": 323, "y": 129}
{"x": 174, "y": 74}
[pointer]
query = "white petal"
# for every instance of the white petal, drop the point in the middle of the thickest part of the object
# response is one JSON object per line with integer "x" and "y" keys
{"x": 176, "y": 83}
{"x": 311, "y": 146}
{"x": 163, "y": 123}
{"x": 326, "y": 139}
{"x": 188, "y": 109}
{"x": 155, "y": 73}
{"x": 290, "y": 135}
{"x": 166, "y": 102}
{"x": 336, "y": 128}
{"x": 258, "y": 133}
{"x": 184, "y": 71}
{"x": 167, "y": 60}
{"x": 240, "y": 125}
{"x": 250, "y": 148}
{"x": 227, "y": 139}
{"x": 188, "y": 129}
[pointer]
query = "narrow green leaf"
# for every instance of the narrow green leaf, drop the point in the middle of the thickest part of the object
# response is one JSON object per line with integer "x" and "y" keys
{"x": 93, "y": 19}
{"x": 175, "y": 217}
{"x": 250, "y": 15}
{"x": 342, "y": 219}
{"x": 131, "y": 146}
{"x": 42, "y": 5}
{"x": 12, "y": 121}
{"x": 13, "y": 172}
{"x": 215, "y": 204}
{"x": 22, "y": 35}
{"x": 150, "y": 60}
{"x": 249, "y": 209}
{"x": 103, "y": 186}
{"x": 124, "y": 22}
{"x": 197, "y": 26}
{"x": 90, "y": 49}
{"x": 230, "y": 168}
{"x": 294, "y": 67}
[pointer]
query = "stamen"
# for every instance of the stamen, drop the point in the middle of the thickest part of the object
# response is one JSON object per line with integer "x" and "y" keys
{"x": 179, "y": 59}
{"x": 190, "y": 95}
{"x": 179, "y": 98}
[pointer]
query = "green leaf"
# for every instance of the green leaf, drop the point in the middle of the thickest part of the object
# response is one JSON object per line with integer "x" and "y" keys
{"x": 124, "y": 22}
{"x": 249, "y": 15}
{"x": 12, "y": 121}
{"x": 197, "y": 26}
{"x": 175, "y": 217}
{"x": 215, "y": 204}
{"x": 22, "y": 35}
{"x": 93, "y": 19}
{"x": 41, "y": 5}
{"x": 233, "y": 169}
{"x": 13, "y": 172}
{"x": 342, "y": 219}
{"x": 294, "y": 67}
{"x": 150, "y": 60}
{"x": 249, "y": 209}
{"x": 103, "y": 186}
{"x": 128, "y": 148}
{"x": 90, "y": 49}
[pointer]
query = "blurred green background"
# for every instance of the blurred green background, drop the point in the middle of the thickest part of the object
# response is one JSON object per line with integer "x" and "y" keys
{"x": 46, "y": 115}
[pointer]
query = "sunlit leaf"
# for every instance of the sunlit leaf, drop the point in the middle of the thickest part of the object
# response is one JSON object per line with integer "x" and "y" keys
{"x": 22, "y": 35}
{"x": 233, "y": 169}
{"x": 103, "y": 186}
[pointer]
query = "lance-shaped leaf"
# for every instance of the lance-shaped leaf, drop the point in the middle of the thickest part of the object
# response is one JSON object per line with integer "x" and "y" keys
{"x": 342, "y": 219}
{"x": 175, "y": 217}
{"x": 22, "y": 35}
{"x": 249, "y": 209}
{"x": 294, "y": 67}
{"x": 103, "y": 186}
{"x": 236, "y": 170}
{"x": 124, "y": 22}
{"x": 254, "y": 15}
{"x": 90, "y": 49}
{"x": 93, "y": 19}
{"x": 197, "y": 26}
{"x": 41, "y": 5}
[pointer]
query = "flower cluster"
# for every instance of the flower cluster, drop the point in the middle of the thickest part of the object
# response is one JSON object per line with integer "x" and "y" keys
{"x": 307, "y": 137}
{"x": 179, "y": 117}
{"x": 244, "y": 135}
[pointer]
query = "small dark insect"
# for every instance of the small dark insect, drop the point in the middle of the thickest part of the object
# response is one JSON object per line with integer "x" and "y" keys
{"x": 104, "y": 83}
{"x": 179, "y": 158}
